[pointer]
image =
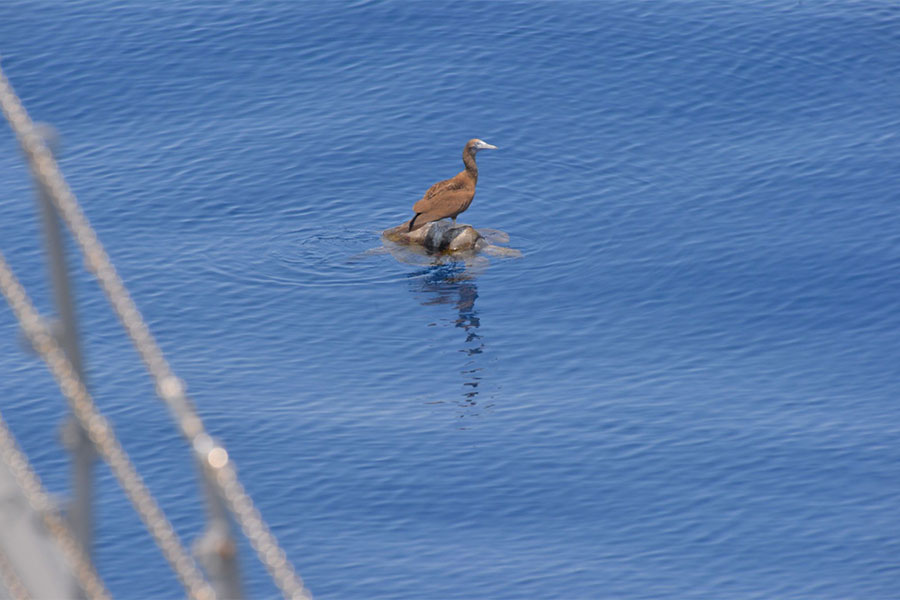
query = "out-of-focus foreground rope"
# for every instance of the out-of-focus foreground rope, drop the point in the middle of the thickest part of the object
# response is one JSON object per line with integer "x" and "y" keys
{"x": 219, "y": 469}
{"x": 40, "y": 502}
{"x": 101, "y": 434}
{"x": 10, "y": 579}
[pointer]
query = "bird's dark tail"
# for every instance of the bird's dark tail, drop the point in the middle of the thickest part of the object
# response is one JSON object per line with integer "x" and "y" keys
{"x": 412, "y": 222}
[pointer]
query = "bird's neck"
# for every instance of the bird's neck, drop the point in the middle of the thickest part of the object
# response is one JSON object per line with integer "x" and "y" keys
{"x": 471, "y": 167}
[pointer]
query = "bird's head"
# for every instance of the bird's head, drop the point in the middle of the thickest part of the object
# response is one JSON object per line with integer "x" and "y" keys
{"x": 473, "y": 146}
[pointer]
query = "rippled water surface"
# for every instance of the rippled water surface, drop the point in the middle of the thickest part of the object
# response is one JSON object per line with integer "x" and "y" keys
{"x": 686, "y": 387}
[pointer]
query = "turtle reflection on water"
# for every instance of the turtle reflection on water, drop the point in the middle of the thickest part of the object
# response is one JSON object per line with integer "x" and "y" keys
{"x": 441, "y": 239}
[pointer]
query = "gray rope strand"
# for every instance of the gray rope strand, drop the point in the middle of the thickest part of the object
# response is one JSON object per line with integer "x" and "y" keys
{"x": 10, "y": 579}
{"x": 169, "y": 387}
{"x": 30, "y": 484}
{"x": 101, "y": 434}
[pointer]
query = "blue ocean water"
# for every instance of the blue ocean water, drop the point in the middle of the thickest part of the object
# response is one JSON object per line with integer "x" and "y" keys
{"x": 685, "y": 388}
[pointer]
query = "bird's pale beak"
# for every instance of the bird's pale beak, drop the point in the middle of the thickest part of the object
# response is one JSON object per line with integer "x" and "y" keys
{"x": 486, "y": 146}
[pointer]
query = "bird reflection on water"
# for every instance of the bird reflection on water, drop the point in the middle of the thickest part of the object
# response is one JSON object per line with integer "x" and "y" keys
{"x": 453, "y": 284}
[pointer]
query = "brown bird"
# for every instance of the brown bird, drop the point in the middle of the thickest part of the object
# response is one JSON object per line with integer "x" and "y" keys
{"x": 450, "y": 197}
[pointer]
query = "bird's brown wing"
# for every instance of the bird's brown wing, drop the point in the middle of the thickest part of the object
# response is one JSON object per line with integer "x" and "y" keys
{"x": 445, "y": 198}
{"x": 446, "y": 203}
{"x": 435, "y": 192}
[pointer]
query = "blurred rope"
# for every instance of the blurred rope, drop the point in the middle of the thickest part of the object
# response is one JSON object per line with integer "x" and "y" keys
{"x": 101, "y": 434}
{"x": 40, "y": 502}
{"x": 10, "y": 580}
{"x": 218, "y": 468}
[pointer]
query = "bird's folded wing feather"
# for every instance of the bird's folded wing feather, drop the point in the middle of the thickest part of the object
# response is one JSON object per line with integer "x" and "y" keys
{"x": 448, "y": 194}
